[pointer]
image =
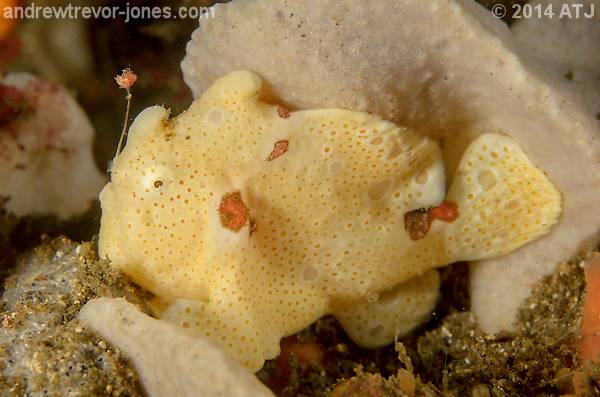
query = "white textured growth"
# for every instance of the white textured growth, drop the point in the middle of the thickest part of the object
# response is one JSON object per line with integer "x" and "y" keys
{"x": 168, "y": 360}
{"x": 448, "y": 69}
{"x": 46, "y": 161}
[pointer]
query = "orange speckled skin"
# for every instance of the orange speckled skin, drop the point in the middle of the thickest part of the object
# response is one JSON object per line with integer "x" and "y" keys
{"x": 325, "y": 231}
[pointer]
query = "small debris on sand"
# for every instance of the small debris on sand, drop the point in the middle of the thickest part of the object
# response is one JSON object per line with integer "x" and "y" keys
{"x": 43, "y": 349}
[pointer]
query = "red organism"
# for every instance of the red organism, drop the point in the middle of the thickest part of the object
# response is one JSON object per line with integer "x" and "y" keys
{"x": 417, "y": 223}
{"x": 307, "y": 354}
{"x": 13, "y": 103}
{"x": 233, "y": 212}
{"x": 126, "y": 79}
{"x": 447, "y": 212}
{"x": 283, "y": 112}
{"x": 279, "y": 149}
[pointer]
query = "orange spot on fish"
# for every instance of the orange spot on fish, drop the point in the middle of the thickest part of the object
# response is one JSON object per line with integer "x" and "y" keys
{"x": 279, "y": 149}
{"x": 447, "y": 212}
{"x": 283, "y": 112}
{"x": 233, "y": 212}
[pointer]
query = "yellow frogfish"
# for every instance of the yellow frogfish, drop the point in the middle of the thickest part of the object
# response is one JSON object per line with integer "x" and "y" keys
{"x": 249, "y": 222}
